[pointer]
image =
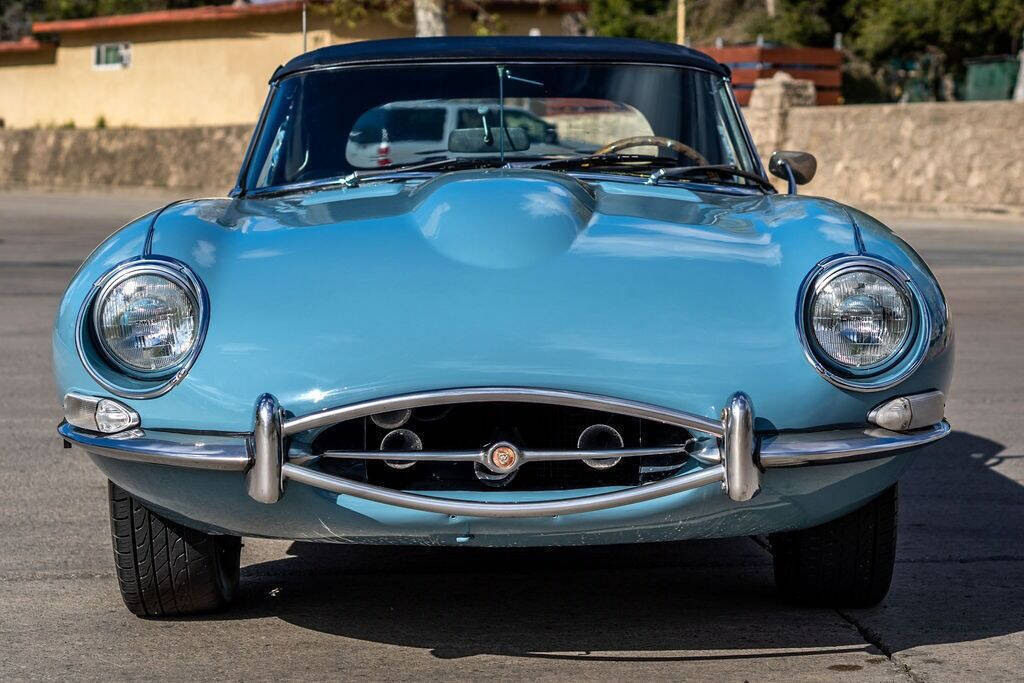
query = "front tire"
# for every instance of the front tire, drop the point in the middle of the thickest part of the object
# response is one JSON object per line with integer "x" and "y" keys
{"x": 167, "y": 569}
{"x": 847, "y": 562}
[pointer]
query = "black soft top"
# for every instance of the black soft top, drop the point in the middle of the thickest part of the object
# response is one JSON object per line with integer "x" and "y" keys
{"x": 500, "y": 49}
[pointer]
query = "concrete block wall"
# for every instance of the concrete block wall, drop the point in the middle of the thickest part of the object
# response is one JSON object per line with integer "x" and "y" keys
{"x": 197, "y": 159}
{"x": 964, "y": 155}
{"x": 932, "y": 157}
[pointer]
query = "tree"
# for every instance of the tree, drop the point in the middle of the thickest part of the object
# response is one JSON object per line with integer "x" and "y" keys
{"x": 890, "y": 41}
{"x": 956, "y": 30}
{"x": 706, "y": 20}
{"x": 811, "y": 23}
{"x": 430, "y": 18}
{"x": 649, "y": 19}
{"x": 16, "y": 16}
{"x": 425, "y": 17}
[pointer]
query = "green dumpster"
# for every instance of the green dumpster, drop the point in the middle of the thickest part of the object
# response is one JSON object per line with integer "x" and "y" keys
{"x": 991, "y": 78}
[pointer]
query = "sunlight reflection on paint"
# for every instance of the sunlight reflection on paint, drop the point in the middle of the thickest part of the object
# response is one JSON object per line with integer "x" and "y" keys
{"x": 661, "y": 241}
{"x": 318, "y": 395}
{"x": 204, "y": 253}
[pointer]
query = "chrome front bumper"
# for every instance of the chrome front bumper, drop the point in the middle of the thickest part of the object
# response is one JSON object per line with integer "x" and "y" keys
{"x": 732, "y": 455}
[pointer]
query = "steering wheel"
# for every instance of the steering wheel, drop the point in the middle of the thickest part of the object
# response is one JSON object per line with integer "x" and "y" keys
{"x": 655, "y": 140}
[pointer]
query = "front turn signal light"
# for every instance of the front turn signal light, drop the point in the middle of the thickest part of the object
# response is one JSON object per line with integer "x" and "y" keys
{"x": 96, "y": 414}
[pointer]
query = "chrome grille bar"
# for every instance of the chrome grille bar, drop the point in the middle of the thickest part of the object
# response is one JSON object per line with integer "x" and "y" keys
{"x": 609, "y": 453}
{"x": 434, "y": 456}
{"x": 525, "y": 456}
{"x": 573, "y": 399}
{"x": 547, "y": 508}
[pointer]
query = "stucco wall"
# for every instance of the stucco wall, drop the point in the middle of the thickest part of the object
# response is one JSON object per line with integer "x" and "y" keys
{"x": 202, "y": 73}
{"x": 207, "y": 73}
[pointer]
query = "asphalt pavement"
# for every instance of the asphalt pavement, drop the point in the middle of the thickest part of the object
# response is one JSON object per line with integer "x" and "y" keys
{"x": 676, "y": 610}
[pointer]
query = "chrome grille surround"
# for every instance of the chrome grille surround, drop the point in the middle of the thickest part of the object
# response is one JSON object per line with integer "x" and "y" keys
{"x": 269, "y": 461}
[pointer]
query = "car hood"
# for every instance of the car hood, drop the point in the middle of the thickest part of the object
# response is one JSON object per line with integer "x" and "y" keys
{"x": 513, "y": 278}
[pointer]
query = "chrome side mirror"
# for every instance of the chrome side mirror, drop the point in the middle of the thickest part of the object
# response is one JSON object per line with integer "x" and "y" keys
{"x": 796, "y": 168}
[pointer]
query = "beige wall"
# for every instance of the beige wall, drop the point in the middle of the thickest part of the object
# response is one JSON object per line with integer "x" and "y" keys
{"x": 204, "y": 73}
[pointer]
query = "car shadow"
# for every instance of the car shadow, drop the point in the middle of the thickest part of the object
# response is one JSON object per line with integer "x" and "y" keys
{"x": 634, "y": 602}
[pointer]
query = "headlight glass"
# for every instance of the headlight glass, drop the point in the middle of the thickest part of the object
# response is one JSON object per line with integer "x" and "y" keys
{"x": 860, "y": 318}
{"x": 147, "y": 323}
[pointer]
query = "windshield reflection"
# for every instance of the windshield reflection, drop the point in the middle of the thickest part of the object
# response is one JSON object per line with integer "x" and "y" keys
{"x": 323, "y": 125}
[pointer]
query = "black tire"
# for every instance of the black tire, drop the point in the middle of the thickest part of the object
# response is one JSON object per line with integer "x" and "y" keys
{"x": 165, "y": 569}
{"x": 847, "y": 562}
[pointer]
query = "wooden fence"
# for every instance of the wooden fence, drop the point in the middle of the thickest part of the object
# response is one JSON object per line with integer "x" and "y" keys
{"x": 822, "y": 66}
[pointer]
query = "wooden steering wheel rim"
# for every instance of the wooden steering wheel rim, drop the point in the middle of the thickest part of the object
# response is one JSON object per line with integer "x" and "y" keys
{"x": 655, "y": 140}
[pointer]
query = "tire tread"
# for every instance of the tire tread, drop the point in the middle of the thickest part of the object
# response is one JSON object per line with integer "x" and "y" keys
{"x": 165, "y": 568}
{"x": 847, "y": 562}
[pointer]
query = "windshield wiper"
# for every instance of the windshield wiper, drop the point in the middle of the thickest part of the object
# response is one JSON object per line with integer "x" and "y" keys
{"x": 714, "y": 172}
{"x": 353, "y": 179}
{"x": 601, "y": 160}
{"x": 449, "y": 163}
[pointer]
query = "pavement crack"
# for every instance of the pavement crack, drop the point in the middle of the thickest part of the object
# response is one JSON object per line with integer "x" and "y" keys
{"x": 874, "y": 638}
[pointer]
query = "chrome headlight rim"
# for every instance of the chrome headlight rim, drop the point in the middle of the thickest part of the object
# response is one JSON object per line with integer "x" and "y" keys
{"x": 881, "y": 375}
{"x": 102, "y": 365}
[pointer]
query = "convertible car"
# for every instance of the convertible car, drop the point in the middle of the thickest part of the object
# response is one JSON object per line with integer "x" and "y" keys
{"x": 611, "y": 329}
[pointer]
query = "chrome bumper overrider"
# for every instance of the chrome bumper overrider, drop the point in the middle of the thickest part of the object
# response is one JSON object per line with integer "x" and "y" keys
{"x": 733, "y": 454}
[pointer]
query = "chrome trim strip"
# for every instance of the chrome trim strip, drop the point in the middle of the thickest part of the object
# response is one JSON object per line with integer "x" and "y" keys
{"x": 436, "y": 456}
{"x": 547, "y": 508}
{"x": 277, "y": 77}
{"x": 829, "y": 269}
{"x": 483, "y": 456}
{"x": 503, "y": 394}
{"x": 827, "y": 448}
{"x": 240, "y": 180}
{"x": 176, "y": 450}
{"x": 742, "y": 477}
{"x": 748, "y": 138}
{"x": 529, "y": 455}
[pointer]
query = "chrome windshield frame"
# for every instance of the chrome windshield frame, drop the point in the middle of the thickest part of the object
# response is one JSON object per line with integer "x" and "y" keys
{"x": 241, "y": 188}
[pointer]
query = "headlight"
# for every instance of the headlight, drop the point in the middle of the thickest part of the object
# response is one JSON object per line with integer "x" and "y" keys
{"x": 860, "y": 318}
{"x": 147, "y": 320}
{"x": 863, "y": 323}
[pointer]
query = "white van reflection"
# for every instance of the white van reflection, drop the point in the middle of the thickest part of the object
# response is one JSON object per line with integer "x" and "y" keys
{"x": 417, "y": 131}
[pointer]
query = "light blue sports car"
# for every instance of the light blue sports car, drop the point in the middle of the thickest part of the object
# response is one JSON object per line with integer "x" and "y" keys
{"x": 503, "y": 292}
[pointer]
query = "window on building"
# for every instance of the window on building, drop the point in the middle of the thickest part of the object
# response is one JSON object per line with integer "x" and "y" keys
{"x": 112, "y": 56}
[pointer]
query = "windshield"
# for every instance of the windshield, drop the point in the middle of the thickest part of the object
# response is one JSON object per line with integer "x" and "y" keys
{"x": 326, "y": 124}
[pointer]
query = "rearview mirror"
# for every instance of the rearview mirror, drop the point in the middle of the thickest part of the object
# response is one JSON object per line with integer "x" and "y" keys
{"x": 485, "y": 140}
{"x": 797, "y": 168}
